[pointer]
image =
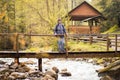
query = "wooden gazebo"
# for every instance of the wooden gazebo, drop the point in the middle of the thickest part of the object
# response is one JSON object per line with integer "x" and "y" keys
{"x": 85, "y": 13}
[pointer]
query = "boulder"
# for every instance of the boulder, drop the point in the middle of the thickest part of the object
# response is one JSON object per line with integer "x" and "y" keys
{"x": 65, "y": 73}
{"x": 112, "y": 70}
{"x": 29, "y": 62}
{"x": 52, "y": 74}
{"x": 48, "y": 77}
{"x": 1, "y": 76}
{"x": 55, "y": 69}
{"x": 100, "y": 61}
{"x": 17, "y": 75}
{"x": 22, "y": 68}
{"x": 2, "y": 62}
{"x": 106, "y": 78}
{"x": 35, "y": 74}
{"x": 4, "y": 70}
{"x": 64, "y": 69}
{"x": 13, "y": 65}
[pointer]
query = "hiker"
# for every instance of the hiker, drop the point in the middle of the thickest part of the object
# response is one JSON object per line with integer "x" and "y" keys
{"x": 60, "y": 32}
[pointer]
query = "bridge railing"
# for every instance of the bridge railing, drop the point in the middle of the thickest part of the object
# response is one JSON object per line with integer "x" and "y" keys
{"x": 16, "y": 37}
{"x": 109, "y": 40}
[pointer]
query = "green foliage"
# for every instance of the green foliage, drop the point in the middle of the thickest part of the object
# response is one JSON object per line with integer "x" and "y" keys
{"x": 7, "y": 18}
{"x": 81, "y": 46}
{"x": 110, "y": 9}
{"x": 112, "y": 29}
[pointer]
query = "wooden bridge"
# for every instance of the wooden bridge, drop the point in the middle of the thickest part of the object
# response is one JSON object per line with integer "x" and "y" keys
{"x": 88, "y": 54}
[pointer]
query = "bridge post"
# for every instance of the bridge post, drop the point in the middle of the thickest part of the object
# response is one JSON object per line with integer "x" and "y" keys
{"x": 108, "y": 42}
{"x": 115, "y": 43}
{"x": 40, "y": 64}
{"x": 16, "y": 48}
{"x": 91, "y": 39}
{"x": 66, "y": 45}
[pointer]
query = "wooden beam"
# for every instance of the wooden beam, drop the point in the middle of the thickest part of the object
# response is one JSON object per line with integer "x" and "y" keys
{"x": 40, "y": 64}
{"x": 13, "y": 54}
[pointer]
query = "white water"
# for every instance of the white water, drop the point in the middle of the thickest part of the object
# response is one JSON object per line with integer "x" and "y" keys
{"x": 80, "y": 70}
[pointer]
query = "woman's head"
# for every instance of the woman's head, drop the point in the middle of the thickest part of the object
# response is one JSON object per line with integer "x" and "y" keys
{"x": 59, "y": 21}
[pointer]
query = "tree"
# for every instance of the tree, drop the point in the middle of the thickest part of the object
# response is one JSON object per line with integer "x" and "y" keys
{"x": 110, "y": 9}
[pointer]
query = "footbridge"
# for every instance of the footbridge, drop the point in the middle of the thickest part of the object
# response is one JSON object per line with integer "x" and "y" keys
{"x": 109, "y": 40}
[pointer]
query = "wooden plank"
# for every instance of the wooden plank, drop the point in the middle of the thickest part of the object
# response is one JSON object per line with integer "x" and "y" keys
{"x": 13, "y": 54}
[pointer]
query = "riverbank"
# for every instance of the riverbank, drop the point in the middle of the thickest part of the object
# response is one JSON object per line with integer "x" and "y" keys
{"x": 77, "y": 69}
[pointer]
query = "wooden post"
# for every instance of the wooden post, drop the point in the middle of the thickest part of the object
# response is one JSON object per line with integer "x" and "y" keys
{"x": 16, "y": 60}
{"x": 91, "y": 39}
{"x": 108, "y": 42}
{"x": 40, "y": 64}
{"x": 90, "y": 23}
{"x": 66, "y": 45}
{"x": 116, "y": 43}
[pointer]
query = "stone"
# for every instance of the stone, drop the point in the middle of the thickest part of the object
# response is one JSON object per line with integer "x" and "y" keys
{"x": 64, "y": 69}
{"x": 4, "y": 70}
{"x": 1, "y": 76}
{"x": 55, "y": 69}
{"x": 90, "y": 61}
{"x": 106, "y": 78}
{"x": 22, "y": 68}
{"x": 64, "y": 73}
{"x": 11, "y": 78}
{"x": 29, "y": 62}
{"x": 100, "y": 61}
{"x": 13, "y": 65}
{"x": 52, "y": 74}
{"x": 18, "y": 75}
{"x": 35, "y": 74}
{"x": 2, "y": 62}
{"x": 34, "y": 78}
{"x": 48, "y": 77}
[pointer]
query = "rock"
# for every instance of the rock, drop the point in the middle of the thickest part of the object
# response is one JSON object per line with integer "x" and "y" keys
{"x": 13, "y": 65}
{"x": 106, "y": 78}
{"x": 4, "y": 70}
{"x": 22, "y": 68}
{"x": 1, "y": 76}
{"x": 90, "y": 61}
{"x": 100, "y": 61}
{"x": 64, "y": 73}
{"x": 78, "y": 59}
{"x": 17, "y": 75}
{"x": 2, "y": 62}
{"x": 52, "y": 74}
{"x": 11, "y": 78}
{"x": 48, "y": 77}
{"x": 55, "y": 69}
{"x": 35, "y": 74}
{"x": 29, "y": 62}
{"x": 33, "y": 78}
{"x": 64, "y": 69}
{"x": 4, "y": 66}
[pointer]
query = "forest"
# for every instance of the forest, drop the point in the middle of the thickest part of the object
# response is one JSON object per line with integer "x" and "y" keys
{"x": 40, "y": 16}
{"x": 28, "y": 43}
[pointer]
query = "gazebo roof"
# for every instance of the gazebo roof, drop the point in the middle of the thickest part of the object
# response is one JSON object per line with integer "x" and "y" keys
{"x": 84, "y": 11}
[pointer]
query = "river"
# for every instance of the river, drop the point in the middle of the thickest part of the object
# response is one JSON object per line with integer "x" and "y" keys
{"x": 80, "y": 70}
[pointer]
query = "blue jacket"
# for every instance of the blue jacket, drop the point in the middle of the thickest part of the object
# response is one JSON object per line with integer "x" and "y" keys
{"x": 59, "y": 29}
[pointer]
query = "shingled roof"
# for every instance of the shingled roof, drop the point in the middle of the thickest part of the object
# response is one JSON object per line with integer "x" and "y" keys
{"x": 84, "y": 11}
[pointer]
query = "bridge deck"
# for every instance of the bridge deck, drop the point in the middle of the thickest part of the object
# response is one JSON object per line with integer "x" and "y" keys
{"x": 14, "y": 54}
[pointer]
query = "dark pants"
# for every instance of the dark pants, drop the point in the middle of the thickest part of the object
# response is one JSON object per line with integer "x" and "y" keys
{"x": 61, "y": 44}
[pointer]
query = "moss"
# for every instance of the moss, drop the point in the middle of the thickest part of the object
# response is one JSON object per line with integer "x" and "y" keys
{"x": 112, "y": 29}
{"x": 81, "y": 46}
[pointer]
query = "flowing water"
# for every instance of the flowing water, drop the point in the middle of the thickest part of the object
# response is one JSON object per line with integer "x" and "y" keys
{"x": 80, "y": 70}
